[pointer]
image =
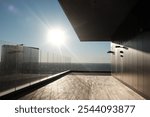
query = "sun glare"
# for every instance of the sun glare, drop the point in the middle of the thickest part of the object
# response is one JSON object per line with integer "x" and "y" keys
{"x": 56, "y": 37}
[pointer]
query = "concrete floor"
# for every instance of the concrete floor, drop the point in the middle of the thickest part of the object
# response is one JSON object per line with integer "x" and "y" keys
{"x": 84, "y": 87}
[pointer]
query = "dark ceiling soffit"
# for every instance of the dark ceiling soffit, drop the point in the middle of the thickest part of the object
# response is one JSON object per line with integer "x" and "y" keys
{"x": 86, "y": 37}
{"x": 96, "y": 28}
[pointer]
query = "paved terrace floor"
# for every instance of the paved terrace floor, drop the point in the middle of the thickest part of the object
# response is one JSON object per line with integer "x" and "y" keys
{"x": 84, "y": 87}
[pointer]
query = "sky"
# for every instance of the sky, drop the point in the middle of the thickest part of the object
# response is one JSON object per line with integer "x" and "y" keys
{"x": 28, "y": 22}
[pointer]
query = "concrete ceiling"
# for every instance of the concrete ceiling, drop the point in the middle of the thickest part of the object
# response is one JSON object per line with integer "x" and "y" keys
{"x": 96, "y": 20}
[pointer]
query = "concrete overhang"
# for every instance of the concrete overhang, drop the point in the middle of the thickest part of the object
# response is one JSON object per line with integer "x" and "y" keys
{"x": 97, "y": 20}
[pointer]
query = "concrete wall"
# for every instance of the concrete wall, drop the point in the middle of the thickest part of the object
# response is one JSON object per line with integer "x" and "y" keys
{"x": 134, "y": 67}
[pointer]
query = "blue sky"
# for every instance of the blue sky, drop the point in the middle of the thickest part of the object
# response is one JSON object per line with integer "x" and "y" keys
{"x": 28, "y": 21}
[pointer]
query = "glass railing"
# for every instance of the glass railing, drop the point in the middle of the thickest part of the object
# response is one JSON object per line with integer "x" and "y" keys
{"x": 22, "y": 66}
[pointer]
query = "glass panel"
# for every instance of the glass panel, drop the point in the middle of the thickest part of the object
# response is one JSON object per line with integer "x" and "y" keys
{"x": 21, "y": 66}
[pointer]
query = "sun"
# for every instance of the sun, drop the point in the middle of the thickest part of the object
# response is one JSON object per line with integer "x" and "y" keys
{"x": 56, "y": 37}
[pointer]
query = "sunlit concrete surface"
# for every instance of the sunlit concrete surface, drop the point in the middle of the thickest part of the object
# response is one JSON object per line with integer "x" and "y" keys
{"x": 84, "y": 87}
